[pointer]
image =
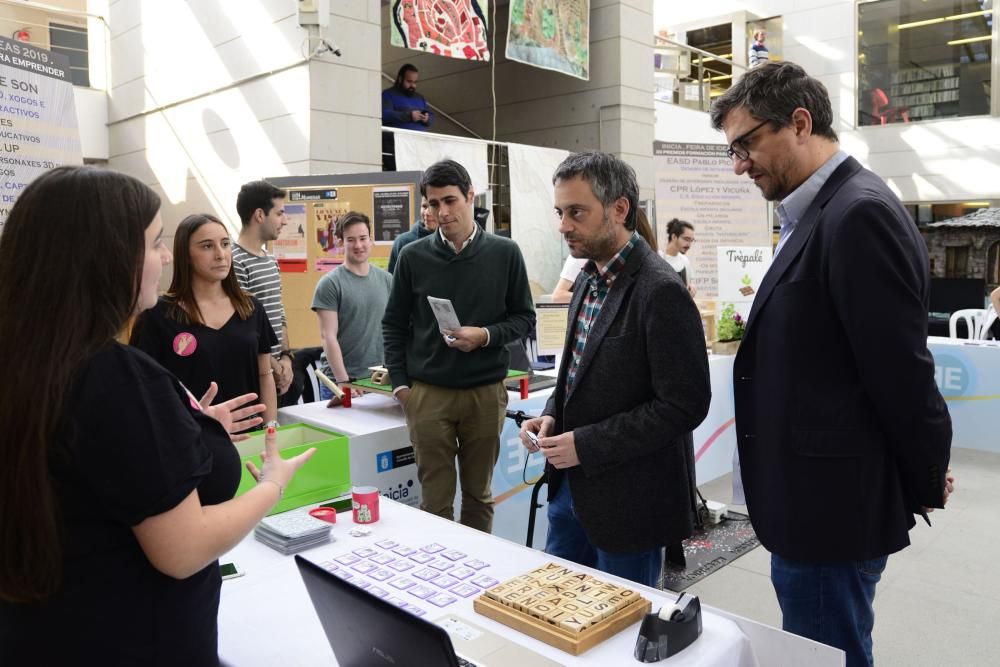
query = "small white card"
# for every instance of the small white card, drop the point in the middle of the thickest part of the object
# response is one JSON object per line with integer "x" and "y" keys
{"x": 444, "y": 581}
{"x": 422, "y": 592}
{"x": 402, "y": 583}
{"x": 426, "y": 574}
{"x": 401, "y": 565}
{"x": 445, "y": 314}
{"x": 465, "y": 590}
{"x": 441, "y": 599}
{"x": 476, "y": 564}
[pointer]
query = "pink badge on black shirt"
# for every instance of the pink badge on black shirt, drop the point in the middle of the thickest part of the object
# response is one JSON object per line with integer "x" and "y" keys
{"x": 185, "y": 344}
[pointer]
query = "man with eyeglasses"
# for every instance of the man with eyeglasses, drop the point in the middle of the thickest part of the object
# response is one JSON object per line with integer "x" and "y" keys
{"x": 843, "y": 436}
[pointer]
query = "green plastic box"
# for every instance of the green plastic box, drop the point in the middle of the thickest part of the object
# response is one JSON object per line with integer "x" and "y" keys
{"x": 326, "y": 475}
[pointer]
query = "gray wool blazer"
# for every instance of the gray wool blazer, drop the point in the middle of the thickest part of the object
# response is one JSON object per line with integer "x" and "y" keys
{"x": 641, "y": 388}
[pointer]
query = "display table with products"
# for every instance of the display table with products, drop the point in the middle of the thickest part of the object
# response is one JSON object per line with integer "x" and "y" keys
{"x": 266, "y": 617}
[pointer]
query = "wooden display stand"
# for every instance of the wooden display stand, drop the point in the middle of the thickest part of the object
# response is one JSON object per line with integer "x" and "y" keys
{"x": 564, "y": 630}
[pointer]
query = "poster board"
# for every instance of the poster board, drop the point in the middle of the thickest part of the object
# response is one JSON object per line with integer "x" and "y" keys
{"x": 696, "y": 183}
{"x": 550, "y": 327}
{"x": 307, "y": 247}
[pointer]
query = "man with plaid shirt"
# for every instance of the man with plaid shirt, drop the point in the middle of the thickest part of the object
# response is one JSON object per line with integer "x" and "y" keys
{"x": 633, "y": 384}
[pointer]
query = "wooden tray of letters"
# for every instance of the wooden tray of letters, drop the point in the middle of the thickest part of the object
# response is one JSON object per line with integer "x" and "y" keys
{"x": 569, "y": 610}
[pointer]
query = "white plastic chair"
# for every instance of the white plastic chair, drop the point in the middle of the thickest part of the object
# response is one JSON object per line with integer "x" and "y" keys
{"x": 974, "y": 320}
{"x": 311, "y": 379}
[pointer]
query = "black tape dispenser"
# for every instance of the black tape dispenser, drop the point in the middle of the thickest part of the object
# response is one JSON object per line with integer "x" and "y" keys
{"x": 670, "y": 631}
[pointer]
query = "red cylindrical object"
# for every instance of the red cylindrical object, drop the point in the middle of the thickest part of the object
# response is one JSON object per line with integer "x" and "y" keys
{"x": 364, "y": 501}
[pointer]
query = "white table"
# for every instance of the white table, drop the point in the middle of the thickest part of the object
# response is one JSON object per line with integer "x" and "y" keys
{"x": 381, "y": 454}
{"x": 266, "y": 618}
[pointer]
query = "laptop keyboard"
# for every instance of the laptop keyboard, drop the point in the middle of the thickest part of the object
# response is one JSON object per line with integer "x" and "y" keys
{"x": 535, "y": 382}
{"x": 462, "y": 662}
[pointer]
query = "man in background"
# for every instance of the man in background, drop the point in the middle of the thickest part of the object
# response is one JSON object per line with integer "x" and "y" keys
{"x": 349, "y": 302}
{"x": 758, "y": 54}
{"x": 261, "y": 208}
{"x": 426, "y": 225}
{"x": 402, "y": 105}
{"x": 450, "y": 383}
{"x": 680, "y": 238}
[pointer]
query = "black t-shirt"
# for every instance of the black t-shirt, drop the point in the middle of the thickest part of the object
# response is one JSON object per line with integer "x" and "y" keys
{"x": 133, "y": 444}
{"x": 199, "y": 355}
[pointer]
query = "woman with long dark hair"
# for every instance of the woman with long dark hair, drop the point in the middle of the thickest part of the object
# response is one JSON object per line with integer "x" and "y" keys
{"x": 116, "y": 489}
{"x": 206, "y": 329}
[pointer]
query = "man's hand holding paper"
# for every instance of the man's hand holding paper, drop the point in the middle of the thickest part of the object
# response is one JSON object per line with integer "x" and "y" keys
{"x": 466, "y": 339}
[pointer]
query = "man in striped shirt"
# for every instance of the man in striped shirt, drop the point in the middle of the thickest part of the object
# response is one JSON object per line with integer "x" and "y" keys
{"x": 261, "y": 208}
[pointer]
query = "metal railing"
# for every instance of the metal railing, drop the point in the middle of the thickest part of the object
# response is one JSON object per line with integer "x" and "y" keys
{"x": 498, "y": 174}
{"x": 686, "y": 70}
{"x": 441, "y": 112}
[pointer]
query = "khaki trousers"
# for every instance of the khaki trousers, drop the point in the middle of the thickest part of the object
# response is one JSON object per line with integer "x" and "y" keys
{"x": 446, "y": 424}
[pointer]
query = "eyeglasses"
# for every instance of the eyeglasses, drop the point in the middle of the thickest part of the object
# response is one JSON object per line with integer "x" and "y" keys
{"x": 738, "y": 149}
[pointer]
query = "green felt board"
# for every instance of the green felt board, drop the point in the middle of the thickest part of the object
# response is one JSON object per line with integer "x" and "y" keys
{"x": 326, "y": 475}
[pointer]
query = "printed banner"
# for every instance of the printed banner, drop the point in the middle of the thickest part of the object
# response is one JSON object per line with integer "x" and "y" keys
{"x": 551, "y": 34}
{"x": 550, "y": 327}
{"x": 38, "y": 128}
{"x": 696, "y": 183}
{"x": 451, "y": 28}
{"x": 534, "y": 226}
{"x": 319, "y": 209}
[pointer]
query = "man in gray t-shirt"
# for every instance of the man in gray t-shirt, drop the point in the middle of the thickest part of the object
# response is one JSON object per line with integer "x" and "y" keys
{"x": 349, "y": 302}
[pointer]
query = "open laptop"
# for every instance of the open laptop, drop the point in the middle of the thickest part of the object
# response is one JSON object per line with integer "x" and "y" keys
{"x": 366, "y": 631}
{"x": 519, "y": 362}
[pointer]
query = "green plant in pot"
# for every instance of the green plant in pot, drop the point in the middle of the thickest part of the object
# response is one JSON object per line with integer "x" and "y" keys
{"x": 729, "y": 330}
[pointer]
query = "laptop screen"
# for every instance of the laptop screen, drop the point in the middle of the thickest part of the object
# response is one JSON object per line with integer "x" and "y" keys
{"x": 366, "y": 631}
{"x": 518, "y": 356}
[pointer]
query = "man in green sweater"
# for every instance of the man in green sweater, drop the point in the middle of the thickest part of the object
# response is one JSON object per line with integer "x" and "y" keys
{"x": 450, "y": 383}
